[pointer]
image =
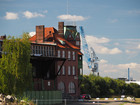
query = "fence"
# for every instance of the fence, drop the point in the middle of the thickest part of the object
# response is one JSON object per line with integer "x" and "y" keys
{"x": 45, "y": 97}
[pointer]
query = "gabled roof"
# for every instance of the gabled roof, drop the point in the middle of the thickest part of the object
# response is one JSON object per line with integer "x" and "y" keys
{"x": 51, "y": 32}
{"x": 33, "y": 38}
{"x": 67, "y": 44}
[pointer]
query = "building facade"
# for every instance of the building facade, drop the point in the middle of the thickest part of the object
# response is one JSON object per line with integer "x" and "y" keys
{"x": 57, "y": 59}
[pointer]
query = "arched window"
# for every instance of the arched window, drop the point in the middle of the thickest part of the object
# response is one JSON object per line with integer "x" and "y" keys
{"x": 61, "y": 86}
{"x": 72, "y": 87}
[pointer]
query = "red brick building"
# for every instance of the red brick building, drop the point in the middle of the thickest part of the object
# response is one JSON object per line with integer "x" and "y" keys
{"x": 57, "y": 59}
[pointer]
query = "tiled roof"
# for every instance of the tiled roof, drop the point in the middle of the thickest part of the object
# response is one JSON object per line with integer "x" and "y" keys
{"x": 51, "y": 32}
{"x": 67, "y": 44}
{"x": 48, "y": 31}
{"x": 33, "y": 38}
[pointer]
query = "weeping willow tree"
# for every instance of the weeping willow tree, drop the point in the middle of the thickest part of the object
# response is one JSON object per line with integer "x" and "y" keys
{"x": 15, "y": 66}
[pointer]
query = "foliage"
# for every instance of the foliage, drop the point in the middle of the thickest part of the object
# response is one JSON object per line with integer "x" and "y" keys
{"x": 15, "y": 66}
{"x": 106, "y": 87}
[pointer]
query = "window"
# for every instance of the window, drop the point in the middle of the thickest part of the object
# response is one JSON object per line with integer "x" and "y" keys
{"x": 72, "y": 87}
{"x": 33, "y": 49}
{"x": 59, "y": 53}
{"x": 69, "y": 55}
{"x": 46, "y": 50}
{"x": 49, "y": 51}
{"x": 81, "y": 71}
{"x": 73, "y": 70}
{"x": 36, "y": 48}
{"x": 63, "y": 54}
{"x": 77, "y": 36}
{"x": 41, "y": 50}
{"x": 58, "y": 69}
{"x": 52, "y": 51}
{"x": 61, "y": 86}
{"x": 73, "y": 53}
{"x": 69, "y": 70}
{"x": 77, "y": 43}
{"x": 63, "y": 70}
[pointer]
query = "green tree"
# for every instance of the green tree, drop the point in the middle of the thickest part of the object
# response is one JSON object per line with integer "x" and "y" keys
{"x": 15, "y": 66}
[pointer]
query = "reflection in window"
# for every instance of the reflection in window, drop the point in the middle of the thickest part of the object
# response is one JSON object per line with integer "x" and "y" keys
{"x": 61, "y": 86}
{"x": 72, "y": 87}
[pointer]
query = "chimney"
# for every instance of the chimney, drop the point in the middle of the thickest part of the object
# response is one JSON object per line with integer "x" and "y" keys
{"x": 61, "y": 28}
{"x": 40, "y": 34}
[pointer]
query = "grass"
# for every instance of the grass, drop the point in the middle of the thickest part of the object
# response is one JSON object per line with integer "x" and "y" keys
{"x": 137, "y": 100}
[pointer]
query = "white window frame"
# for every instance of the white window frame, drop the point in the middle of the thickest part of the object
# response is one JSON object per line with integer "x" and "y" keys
{"x": 58, "y": 52}
{"x": 46, "y": 50}
{"x": 73, "y": 70}
{"x": 77, "y": 43}
{"x": 61, "y": 86}
{"x": 81, "y": 71}
{"x": 63, "y": 70}
{"x": 63, "y": 54}
{"x": 36, "y": 50}
{"x": 73, "y": 53}
{"x": 72, "y": 87}
{"x": 69, "y": 70}
{"x": 39, "y": 49}
{"x": 69, "y": 55}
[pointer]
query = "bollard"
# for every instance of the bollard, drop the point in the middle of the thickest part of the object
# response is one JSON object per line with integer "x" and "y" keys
{"x": 65, "y": 101}
{"x": 36, "y": 102}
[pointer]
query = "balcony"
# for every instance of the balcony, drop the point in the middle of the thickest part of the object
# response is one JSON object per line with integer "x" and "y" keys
{"x": 45, "y": 51}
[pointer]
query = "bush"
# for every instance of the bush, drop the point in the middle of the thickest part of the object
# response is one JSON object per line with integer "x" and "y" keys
{"x": 98, "y": 86}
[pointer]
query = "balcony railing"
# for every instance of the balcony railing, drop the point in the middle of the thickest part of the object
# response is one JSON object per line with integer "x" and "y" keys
{"x": 48, "y": 51}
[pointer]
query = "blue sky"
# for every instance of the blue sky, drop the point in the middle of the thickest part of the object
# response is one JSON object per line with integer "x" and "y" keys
{"x": 112, "y": 27}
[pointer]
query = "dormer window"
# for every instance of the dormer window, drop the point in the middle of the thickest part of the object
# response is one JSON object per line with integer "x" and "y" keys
{"x": 77, "y": 36}
{"x": 63, "y": 42}
{"x": 77, "y": 43}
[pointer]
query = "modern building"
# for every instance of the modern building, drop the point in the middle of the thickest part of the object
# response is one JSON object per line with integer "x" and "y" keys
{"x": 57, "y": 59}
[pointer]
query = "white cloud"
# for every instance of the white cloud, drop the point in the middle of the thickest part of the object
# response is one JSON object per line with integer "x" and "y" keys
{"x": 103, "y": 61}
{"x": 116, "y": 44}
{"x": 134, "y": 12}
{"x": 130, "y": 52}
{"x": 105, "y": 50}
{"x": 46, "y": 11}
{"x": 114, "y": 51}
{"x": 119, "y": 70}
{"x": 29, "y": 14}
{"x": 11, "y": 16}
{"x": 125, "y": 66}
{"x": 127, "y": 51}
{"x": 96, "y": 44}
{"x": 32, "y": 33}
{"x": 92, "y": 39}
{"x": 102, "y": 46}
{"x": 71, "y": 17}
{"x": 115, "y": 71}
{"x": 138, "y": 46}
{"x": 114, "y": 20}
